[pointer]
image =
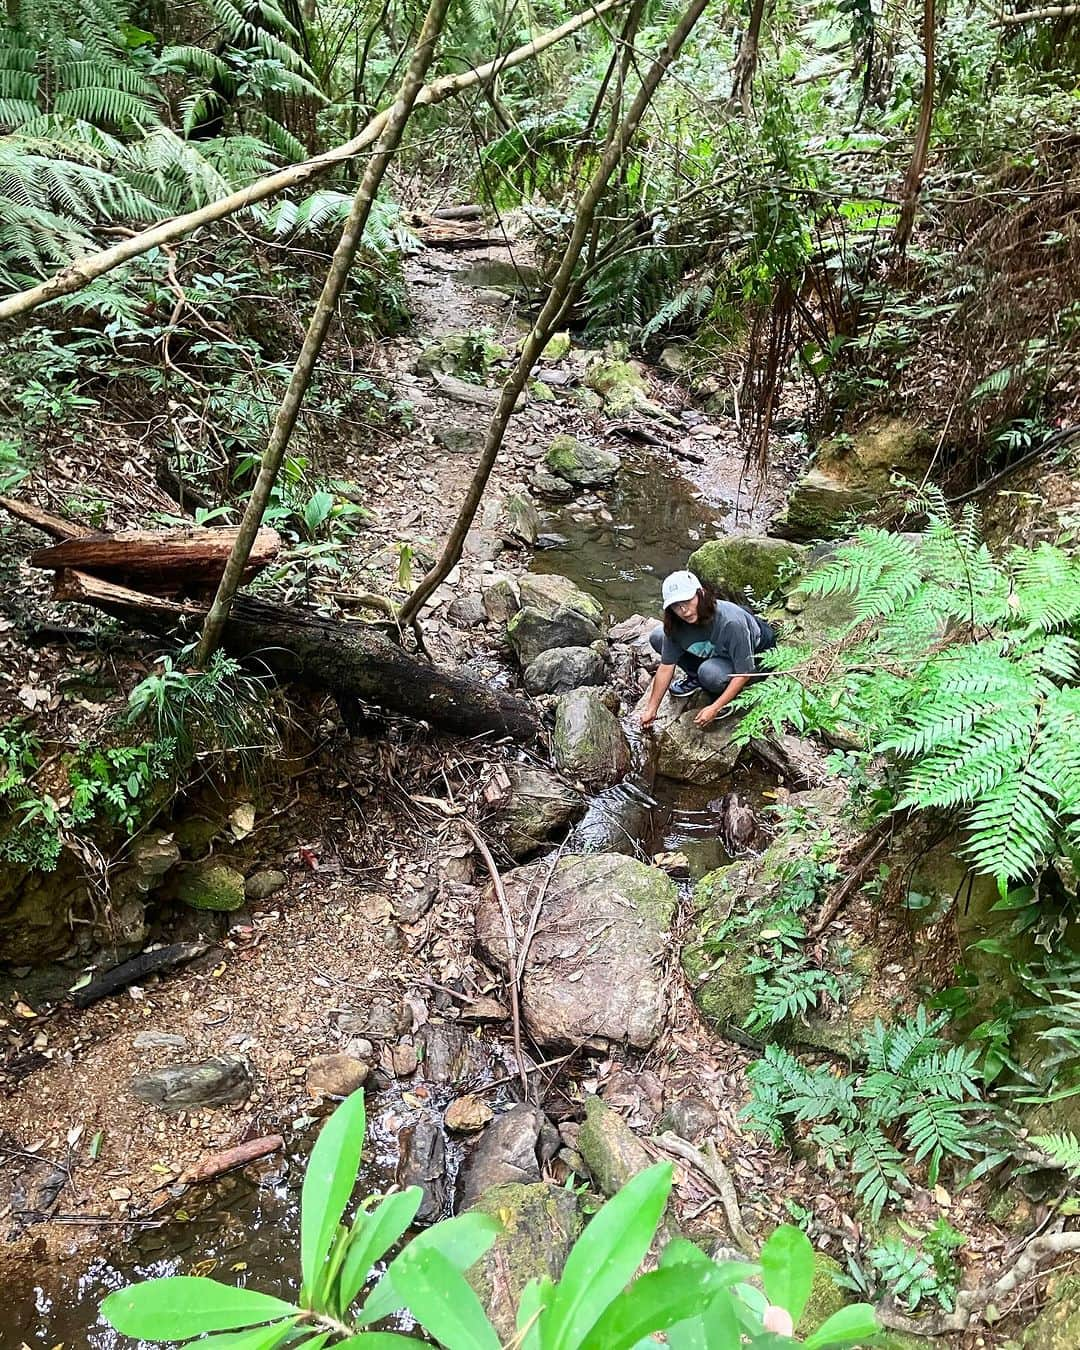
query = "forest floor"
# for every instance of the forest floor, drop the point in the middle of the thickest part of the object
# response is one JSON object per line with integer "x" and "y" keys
{"x": 354, "y": 828}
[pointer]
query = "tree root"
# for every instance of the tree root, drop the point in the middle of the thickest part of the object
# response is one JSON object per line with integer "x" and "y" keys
{"x": 717, "y": 1175}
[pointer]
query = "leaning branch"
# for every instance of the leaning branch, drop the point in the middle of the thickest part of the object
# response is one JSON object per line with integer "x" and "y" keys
{"x": 87, "y": 269}
{"x": 1052, "y": 12}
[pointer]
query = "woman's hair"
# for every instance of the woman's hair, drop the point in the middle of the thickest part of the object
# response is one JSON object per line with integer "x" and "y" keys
{"x": 706, "y": 608}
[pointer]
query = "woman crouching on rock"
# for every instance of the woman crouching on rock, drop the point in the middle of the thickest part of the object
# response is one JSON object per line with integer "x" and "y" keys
{"x": 713, "y": 642}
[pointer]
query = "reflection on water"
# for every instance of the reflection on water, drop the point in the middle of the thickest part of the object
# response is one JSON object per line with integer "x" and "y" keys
{"x": 650, "y": 523}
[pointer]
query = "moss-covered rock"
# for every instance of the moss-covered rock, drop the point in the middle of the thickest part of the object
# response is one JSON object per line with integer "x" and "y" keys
{"x": 757, "y": 564}
{"x": 539, "y": 1224}
{"x": 465, "y": 355}
{"x": 1057, "y": 1327}
{"x": 618, "y": 383}
{"x": 541, "y": 804}
{"x": 851, "y": 474}
{"x": 581, "y": 464}
{"x": 588, "y": 741}
{"x": 557, "y": 348}
{"x": 550, "y": 593}
{"x": 612, "y": 1152}
{"x": 211, "y": 885}
{"x": 826, "y": 1296}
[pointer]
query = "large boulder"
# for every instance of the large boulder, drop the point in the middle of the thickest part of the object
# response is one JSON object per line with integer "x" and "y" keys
{"x": 597, "y": 964}
{"x": 581, "y": 464}
{"x": 688, "y": 753}
{"x": 755, "y": 564}
{"x": 541, "y": 804}
{"x": 539, "y": 1223}
{"x": 588, "y": 741}
{"x": 851, "y": 474}
{"x": 554, "y": 613}
{"x": 560, "y": 669}
{"x": 616, "y": 820}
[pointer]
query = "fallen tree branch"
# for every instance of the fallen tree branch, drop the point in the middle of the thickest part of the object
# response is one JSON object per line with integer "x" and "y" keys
{"x": 717, "y": 1175}
{"x": 854, "y": 879}
{"x": 146, "y": 963}
{"x": 86, "y": 269}
{"x": 511, "y": 946}
{"x": 1051, "y": 12}
{"x": 219, "y": 1163}
{"x": 51, "y": 525}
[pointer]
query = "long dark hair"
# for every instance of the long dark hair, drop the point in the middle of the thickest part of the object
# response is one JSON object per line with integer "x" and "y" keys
{"x": 706, "y": 597}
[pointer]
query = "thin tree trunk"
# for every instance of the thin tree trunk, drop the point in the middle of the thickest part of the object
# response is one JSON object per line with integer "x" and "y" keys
{"x": 909, "y": 193}
{"x": 84, "y": 270}
{"x": 745, "y": 67}
{"x": 554, "y": 307}
{"x": 319, "y": 326}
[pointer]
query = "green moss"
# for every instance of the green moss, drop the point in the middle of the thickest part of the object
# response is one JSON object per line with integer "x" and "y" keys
{"x": 558, "y": 346}
{"x": 211, "y": 886}
{"x": 1057, "y": 1327}
{"x": 826, "y": 1296}
{"x": 562, "y": 456}
{"x": 738, "y": 564}
{"x": 609, "y": 1147}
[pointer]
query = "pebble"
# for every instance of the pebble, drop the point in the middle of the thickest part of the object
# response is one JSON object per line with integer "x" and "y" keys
{"x": 404, "y": 1060}
{"x": 159, "y": 1040}
{"x": 335, "y": 1075}
{"x": 467, "y": 1114}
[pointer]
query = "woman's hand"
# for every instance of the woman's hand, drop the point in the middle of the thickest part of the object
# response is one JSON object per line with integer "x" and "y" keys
{"x": 647, "y": 717}
{"x": 709, "y": 715}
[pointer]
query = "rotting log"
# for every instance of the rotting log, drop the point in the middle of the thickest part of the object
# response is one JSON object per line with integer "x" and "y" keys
{"x": 44, "y": 521}
{"x": 347, "y": 659}
{"x": 189, "y": 556}
{"x": 138, "y": 968}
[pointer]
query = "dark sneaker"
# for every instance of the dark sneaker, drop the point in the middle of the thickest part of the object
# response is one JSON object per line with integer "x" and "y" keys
{"x": 685, "y": 687}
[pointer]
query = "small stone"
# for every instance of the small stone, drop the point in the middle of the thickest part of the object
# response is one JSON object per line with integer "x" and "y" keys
{"x": 689, "y": 1117}
{"x": 360, "y": 1048}
{"x": 581, "y": 464}
{"x": 460, "y": 440}
{"x": 159, "y": 1040}
{"x": 211, "y": 885}
{"x": 335, "y": 1075}
{"x": 501, "y": 597}
{"x": 404, "y": 1060}
{"x": 467, "y": 1114}
{"x": 393, "y": 938}
{"x": 588, "y": 741}
{"x": 261, "y": 885}
{"x": 523, "y": 519}
{"x": 177, "y": 1087}
{"x": 550, "y": 486}
{"x": 381, "y": 1020}
{"x": 674, "y": 864}
{"x": 485, "y": 1010}
{"x": 467, "y": 610}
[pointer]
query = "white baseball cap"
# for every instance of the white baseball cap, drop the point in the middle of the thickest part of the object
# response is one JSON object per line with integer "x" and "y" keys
{"x": 680, "y": 586}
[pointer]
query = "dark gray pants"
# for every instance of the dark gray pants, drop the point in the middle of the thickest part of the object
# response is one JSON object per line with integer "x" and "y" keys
{"x": 713, "y": 672}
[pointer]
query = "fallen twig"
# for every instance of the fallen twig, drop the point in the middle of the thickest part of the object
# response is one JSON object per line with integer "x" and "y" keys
{"x": 219, "y": 1163}
{"x": 717, "y": 1175}
{"x": 511, "y": 945}
{"x": 836, "y": 901}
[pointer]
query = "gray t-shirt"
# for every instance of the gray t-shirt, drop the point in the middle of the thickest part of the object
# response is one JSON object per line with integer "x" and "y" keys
{"x": 734, "y": 634}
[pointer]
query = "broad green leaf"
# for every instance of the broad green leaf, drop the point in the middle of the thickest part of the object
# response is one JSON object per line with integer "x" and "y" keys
{"x": 605, "y": 1258}
{"x": 657, "y": 1301}
{"x": 850, "y": 1326}
{"x": 185, "y": 1305}
{"x": 535, "y": 1297}
{"x": 461, "y": 1241}
{"x": 261, "y": 1338}
{"x": 372, "y": 1237}
{"x": 445, "y": 1306}
{"x": 314, "y": 1343}
{"x": 378, "y": 1340}
{"x": 787, "y": 1264}
{"x": 328, "y": 1183}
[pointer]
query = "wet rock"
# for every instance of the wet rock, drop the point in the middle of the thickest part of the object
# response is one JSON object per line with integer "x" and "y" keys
{"x": 261, "y": 885}
{"x": 675, "y": 864}
{"x": 692, "y": 754}
{"x": 508, "y": 1151}
{"x": 501, "y": 597}
{"x": 467, "y": 610}
{"x": 522, "y": 517}
{"x": 550, "y": 486}
{"x": 615, "y": 821}
{"x": 180, "y": 1087}
{"x": 541, "y": 804}
{"x": 738, "y": 824}
{"x": 449, "y": 1053}
{"x": 211, "y": 885}
{"x": 588, "y": 741}
{"x": 159, "y": 1040}
{"x": 558, "y": 347}
{"x": 596, "y": 965}
{"x": 674, "y": 360}
{"x": 461, "y": 354}
{"x": 403, "y": 1060}
{"x": 755, "y": 564}
{"x": 554, "y": 613}
{"x": 612, "y": 1152}
{"x": 335, "y": 1075}
{"x": 422, "y": 1162}
{"x": 460, "y": 440}
{"x": 561, "y": 669}
{"x": 851, "y": 474}
{"x": 690, "y": 1118}
{"x": 467, "y": 1114}
{"x": 634, "y": 633}
{"x": 581, "y": 464}
{"x": 539, "y": 1225}
{"x": 382, "y": 1020}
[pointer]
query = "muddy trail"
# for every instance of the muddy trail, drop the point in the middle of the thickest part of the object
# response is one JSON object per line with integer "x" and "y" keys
{"x": 361, "y": 957}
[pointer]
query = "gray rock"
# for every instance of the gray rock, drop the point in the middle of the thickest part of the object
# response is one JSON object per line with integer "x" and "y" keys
{"x": 539, "y": 1223}
{"x": 261, "y": 885}
{"x": 532, "y": 631}
{"x": 180, "y": 1087}
{"x": 597, "y": 964}
{"x": 460, "y": 440}
{"x": 690, "y": 1118}
{"x": 560, "y": 669}
{"x": 550, "y": 486}
{"x": 422, "y": 1162}
{"x": 211, "y": 885}
{"x": 688, "y": 753}
{"x": 581, "y": 464}
{"x": 550, "y": 593}
{"x": 522, "y": 517}
{"x": 588, "y": 741}
{"x": 151, "y": 857}
{"x": 541, "y": 804}
{"x": 508, "y": 1151}
{"x": 501, "y": 597}
{"x": 449, "y": 1054}
{"x": 615, "y": 821}
{"x": 382, "y": 1020}
{"x": 159, "y": 1040}
{"x": 634, "y": 633}
{"x": 467, "y": 610}
{"x": 335, "y": 1075}
{"x": 674, "y": 360}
